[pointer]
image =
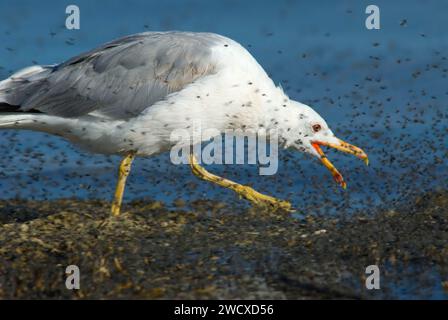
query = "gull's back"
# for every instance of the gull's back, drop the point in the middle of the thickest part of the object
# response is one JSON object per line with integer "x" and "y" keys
{"x": 117, "y": 80}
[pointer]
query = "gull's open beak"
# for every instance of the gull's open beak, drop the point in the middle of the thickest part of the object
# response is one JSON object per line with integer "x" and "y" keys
{"x": 344, "y": 147}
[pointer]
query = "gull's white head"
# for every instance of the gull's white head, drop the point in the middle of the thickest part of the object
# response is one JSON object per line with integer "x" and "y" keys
{"x": 305, "y": 130}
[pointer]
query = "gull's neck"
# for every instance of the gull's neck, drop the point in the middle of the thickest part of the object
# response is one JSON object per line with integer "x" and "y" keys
{"x": 277, "y": 109}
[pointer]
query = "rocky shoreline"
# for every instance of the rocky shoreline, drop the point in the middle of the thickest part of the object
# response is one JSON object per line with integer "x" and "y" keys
{"x": 212, "y": 251}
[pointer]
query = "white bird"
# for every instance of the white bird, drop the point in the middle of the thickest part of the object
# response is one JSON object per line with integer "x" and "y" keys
{"x": 127, "y": 96}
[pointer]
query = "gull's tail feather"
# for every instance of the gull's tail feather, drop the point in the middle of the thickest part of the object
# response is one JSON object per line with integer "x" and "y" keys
{"x": 19, "y": 87}
{"x": 17, "y": 120}
{"x": 14, "y": 91}
{"x": 36, "y": 121}
{"x": 63, "y": 127}
{"x": 4, "y": 107}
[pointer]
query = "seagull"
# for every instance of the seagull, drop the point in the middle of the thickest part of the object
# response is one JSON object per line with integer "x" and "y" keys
{"x": 127, "y": 96}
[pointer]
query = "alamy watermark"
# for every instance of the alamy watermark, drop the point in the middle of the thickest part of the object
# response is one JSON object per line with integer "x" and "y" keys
{"x": 73, "y": 20}
{"x": 234, "y": 146}
{"x": 373, "y": 279}
{"x": 373, "y": 20}
{"x": 72, "y": 282}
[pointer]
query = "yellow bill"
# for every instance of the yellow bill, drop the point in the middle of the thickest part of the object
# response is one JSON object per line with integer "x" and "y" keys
{"x": 341, "y": 146}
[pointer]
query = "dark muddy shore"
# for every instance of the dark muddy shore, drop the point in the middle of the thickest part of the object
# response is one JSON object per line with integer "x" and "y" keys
{"x": 211, "y": 251}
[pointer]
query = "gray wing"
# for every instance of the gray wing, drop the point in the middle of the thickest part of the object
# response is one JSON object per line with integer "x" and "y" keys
{"x": 121, "y": 78}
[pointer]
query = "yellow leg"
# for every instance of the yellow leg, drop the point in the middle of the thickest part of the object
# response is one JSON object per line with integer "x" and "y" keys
{"x": 123, "y": 172}
{"x": 246, "y": 192}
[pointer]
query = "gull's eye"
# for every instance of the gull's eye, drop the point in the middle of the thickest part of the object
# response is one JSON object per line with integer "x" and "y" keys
{"x": 316, "y": 127}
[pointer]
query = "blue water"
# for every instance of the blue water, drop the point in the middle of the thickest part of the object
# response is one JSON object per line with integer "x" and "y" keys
{"x": 383, "y": 90}
{"x": 321, "y": 54}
